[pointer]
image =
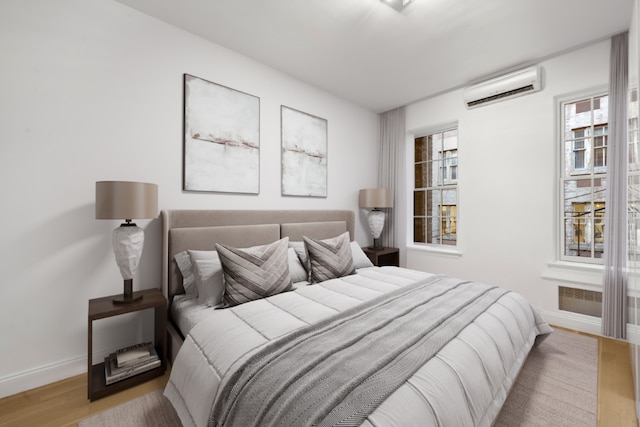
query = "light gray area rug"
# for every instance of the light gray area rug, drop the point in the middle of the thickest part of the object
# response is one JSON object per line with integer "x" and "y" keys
{"x": 556, "y": 387}
{"x": 152, "y": 409}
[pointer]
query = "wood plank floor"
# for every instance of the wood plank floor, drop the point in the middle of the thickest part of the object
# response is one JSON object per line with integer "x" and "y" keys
{"x": 64, "y": 403}
{"x": 616, "y": 403}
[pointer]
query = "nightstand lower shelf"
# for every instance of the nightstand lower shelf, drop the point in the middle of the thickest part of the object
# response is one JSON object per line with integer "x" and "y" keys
{"x": 100, "y": 389}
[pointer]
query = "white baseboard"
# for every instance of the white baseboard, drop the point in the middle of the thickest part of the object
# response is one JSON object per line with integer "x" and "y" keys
{"x": 569, "y": 320}
{"x": 32, "y": 378}
{"x": 50, "y": 373}
{"x": 588, "y": 324}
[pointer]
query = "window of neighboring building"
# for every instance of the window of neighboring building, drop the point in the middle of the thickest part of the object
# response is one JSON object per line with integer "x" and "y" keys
{"x": 435, "y": 196}
{"x": 600, "y": 146}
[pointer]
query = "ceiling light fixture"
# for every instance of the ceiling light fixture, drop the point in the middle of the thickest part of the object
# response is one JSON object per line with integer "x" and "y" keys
{"x": 398, "y": 5}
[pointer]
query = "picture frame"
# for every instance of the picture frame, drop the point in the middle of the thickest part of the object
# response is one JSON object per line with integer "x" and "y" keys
{"x": 304, "y": 140}
{"x": 221, "y": 138}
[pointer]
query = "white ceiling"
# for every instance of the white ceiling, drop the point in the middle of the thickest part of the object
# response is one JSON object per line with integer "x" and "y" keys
{"x": 366, "y": 52}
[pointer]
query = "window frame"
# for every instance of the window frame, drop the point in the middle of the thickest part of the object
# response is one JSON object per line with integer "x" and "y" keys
{"x": 448, "y": 164}
{"x": 579, "y": 271}
{"x": 595, "y": 172}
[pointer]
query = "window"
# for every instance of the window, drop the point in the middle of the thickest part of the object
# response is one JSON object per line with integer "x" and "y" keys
{"x": 578, "y": 150}
{"x": 634, "y": 180}
{"x": 584, "y": 138}
{"x": 600, "y": 146}
{"x": 435, "y": 197}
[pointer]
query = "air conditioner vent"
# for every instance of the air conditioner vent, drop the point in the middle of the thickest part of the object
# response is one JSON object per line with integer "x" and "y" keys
{"x": 510, "y": 85}
{"x": 501, "y": 95}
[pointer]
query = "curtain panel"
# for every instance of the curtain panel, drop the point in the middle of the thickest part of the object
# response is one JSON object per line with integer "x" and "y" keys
{"x": 391, "y": 175}
{"x": 615, "y": 273}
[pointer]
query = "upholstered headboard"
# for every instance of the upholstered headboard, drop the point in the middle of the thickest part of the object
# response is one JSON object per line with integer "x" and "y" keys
{"x": 202, "y": 229}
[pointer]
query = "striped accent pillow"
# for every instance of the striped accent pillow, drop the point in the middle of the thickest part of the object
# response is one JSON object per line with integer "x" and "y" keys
{"x": 256, "y": 272}
{"x": 329, "y": 258}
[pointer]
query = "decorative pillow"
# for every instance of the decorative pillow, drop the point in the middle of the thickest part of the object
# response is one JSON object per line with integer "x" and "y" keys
{"x": 208, "y": 278}
{"x": 360, "y": 259}
{"x": 256, "y": 272}
{"x": 329, "y": 258}
{"x": 183, "y": 260}
{"x": 296, "y": 270}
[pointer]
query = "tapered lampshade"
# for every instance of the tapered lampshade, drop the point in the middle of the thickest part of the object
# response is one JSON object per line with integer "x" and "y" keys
{"x": 374, "y": 199}
{"x": 126, "y": 200}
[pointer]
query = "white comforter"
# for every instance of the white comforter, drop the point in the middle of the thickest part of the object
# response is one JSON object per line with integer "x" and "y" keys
{"x": 464, "y": 385}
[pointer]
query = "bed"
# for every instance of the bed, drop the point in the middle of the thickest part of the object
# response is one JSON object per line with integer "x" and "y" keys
{"x": 326, "y": 338}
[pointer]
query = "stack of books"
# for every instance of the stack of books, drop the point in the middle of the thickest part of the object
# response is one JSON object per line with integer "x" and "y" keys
{"x": 130, "y": 361}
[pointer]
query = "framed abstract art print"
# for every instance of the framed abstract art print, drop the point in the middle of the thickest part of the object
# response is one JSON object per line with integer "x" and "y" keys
{"x": 221, "y": 138}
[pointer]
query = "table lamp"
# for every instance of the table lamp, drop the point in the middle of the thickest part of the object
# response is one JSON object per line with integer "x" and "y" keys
{"x": 374, "y": 199}
{"x": 125, "y": 200}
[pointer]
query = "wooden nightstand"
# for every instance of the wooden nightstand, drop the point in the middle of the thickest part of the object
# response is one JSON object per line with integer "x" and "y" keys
{"x": 384, "y": 256}
{"x": 101, "y": 308}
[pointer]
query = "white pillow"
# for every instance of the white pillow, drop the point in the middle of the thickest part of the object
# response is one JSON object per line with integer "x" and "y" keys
{"x": 301, "y": 252}
{"x": 208, "y": 279}
{"x": 360, "y": 259}
{"x": 197, "y": 256}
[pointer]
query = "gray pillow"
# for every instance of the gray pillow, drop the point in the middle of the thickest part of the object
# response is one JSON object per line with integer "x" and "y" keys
{"x": 329, "y": 258}
{"x": 183, "y": 260}
{"x": 360, "y": 259}
{"x": 256, "y": 272}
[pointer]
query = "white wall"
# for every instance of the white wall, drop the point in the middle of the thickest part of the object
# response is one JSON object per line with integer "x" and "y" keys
{"x": 508, "y": 180}
{"x": 92, "y": 90}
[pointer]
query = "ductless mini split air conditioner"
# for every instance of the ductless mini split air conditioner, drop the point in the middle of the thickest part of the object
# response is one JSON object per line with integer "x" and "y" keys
{"x": 504, "y": 87}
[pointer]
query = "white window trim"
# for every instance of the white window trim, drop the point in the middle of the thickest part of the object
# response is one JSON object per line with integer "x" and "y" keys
{"x": 574, "y": 272}
{"x": 589, "y": 275}
{"x": 447, "y": 251}
{"x": 586, "y": 265}
{"x": 444, "y": 250}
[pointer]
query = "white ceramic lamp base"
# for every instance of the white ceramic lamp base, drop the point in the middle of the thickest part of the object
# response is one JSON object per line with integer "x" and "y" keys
{"x": 128, "y": 241}
{"x": 376, "y": 224}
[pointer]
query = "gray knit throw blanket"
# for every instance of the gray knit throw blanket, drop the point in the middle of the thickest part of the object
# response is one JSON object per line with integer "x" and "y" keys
{"x": 336, "y": 372}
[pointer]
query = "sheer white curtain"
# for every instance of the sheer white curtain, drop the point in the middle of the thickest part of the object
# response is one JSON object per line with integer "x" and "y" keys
{"x": 391, "y": 176}
{"x": 614, "y": 298}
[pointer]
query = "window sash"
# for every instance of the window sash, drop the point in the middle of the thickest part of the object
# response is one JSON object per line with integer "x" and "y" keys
{"x": 583, "y": 183}
{"x": 435, "y": 198}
